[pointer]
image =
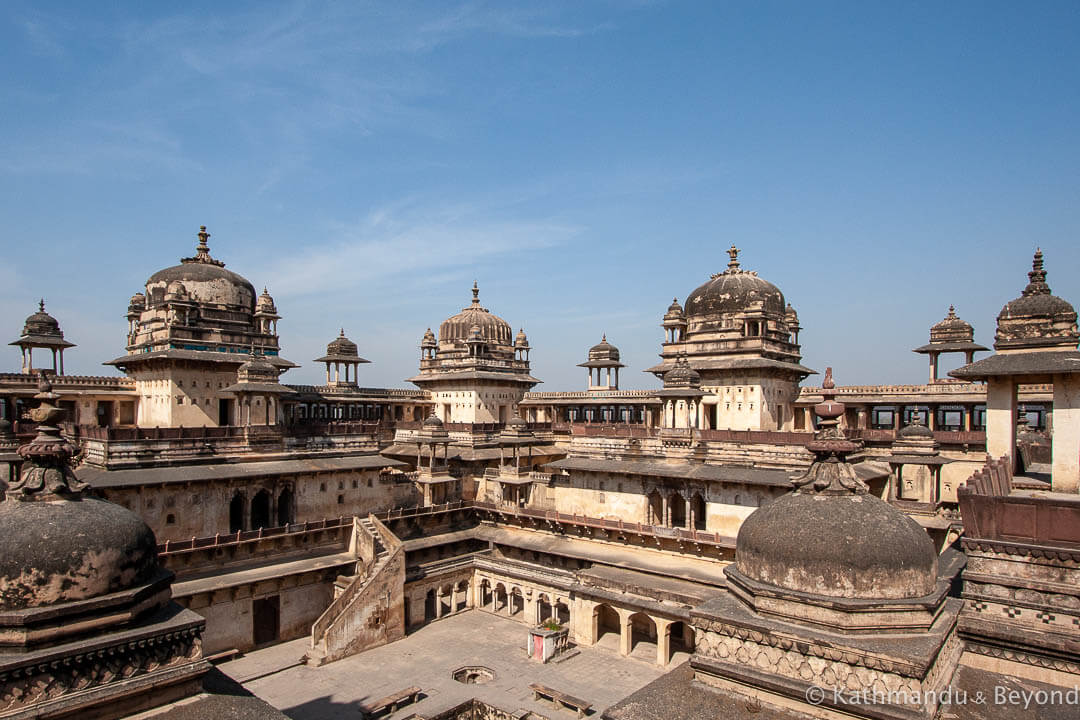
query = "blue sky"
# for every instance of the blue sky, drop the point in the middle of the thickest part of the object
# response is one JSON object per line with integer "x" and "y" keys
{"x": 584, "y": 162}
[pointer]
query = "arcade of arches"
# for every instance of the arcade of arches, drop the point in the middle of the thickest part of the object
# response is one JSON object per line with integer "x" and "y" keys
{"x": 632, "y": 629}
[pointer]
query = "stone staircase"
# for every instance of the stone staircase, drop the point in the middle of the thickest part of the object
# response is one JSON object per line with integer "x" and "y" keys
{"x": 342, "y": 582}
{"x": 346, "y": 627}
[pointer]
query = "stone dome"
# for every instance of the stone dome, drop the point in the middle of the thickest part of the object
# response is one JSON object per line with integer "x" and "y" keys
{"x": 830, "y": 537}
{"x": 916, "y": 430}
{"x": 734, "y": 290}
{"x": 205, "y": 279}
{"x": 682, "y": 375}
{"x": 491, "y": 327}
{"x": 266, "y": 304}
{"x": 42, "y": 324}
{"x": 674, "y": 311}
{"x": 342, "y": 345}
{"x": 137, "y": 303}
{"x": 846, "y": 546}
{"x": 604, "y": 350}
{"x": 428, "y": 340}
{"x": 57, "y": 552}
{"x": 1037, "y": 318}
{"x": 952, "y": 328}
{"x": 257, "y": 369}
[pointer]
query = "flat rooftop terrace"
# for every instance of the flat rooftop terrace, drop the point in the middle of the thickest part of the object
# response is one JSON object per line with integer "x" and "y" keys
{"x": 426, "y": 658}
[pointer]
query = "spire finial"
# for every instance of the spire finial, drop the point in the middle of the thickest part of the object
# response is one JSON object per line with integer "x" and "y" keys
{"x": 475, "y": 293}
{"x": 41, "y": 305}
{"x": 952, "y": 311}
{"x": 603, "y": 338}
{"x": 830, "y": 473}
{"x": 733, "y": 253}
{"x": 1037, "y": 277}
{"x": 342, "y": 332}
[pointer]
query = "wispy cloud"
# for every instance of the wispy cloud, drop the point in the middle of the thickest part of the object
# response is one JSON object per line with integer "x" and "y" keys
{"x": 396, "y": 241}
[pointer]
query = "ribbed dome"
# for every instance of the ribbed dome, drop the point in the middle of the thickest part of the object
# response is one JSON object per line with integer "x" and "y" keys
{"x": 735, "y": 290}
{"x": 492, "y": 328}
{"x": 521, "y": 340}
{"x": 428, "y": 340}
{"x": 604, "y": 350}
{"x": 342, "y": 345}
{"x": 205, "y": 279}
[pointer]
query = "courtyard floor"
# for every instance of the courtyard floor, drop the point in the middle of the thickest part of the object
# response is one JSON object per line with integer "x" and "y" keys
{"x": 427, "y": 657}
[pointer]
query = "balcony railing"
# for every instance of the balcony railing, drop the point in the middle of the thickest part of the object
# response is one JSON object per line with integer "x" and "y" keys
{"x": 174, "y": 546}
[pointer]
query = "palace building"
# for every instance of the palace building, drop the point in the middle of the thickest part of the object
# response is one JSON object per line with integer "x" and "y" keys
{"x": 748, "y": 537}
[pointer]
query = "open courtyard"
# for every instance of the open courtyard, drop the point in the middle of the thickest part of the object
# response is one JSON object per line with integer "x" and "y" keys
{"x": 428, "y": 657}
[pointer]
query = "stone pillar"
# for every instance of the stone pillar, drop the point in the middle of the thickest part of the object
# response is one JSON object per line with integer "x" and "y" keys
{"x": 933, "y": 367}
{"x": 665, "y": 511}
{"x": 1065, "y": 472}
{"x": 625, "y": 633}
{"x": 438, "y": 603}
{"x": 453, "y": 599}
{"x": 1001, "y": 417}
{"x": 663, "y": 641}
{"x": 898, "y": 417}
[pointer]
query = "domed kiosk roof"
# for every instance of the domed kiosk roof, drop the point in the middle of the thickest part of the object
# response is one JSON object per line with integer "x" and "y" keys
{"x": 42, "y": 330}
{"x": 735, "y": 290}
{"x": 491, "y": 328}
{"x": 1037, "y": 317}
{"x": 830, "y": 537}
{"x": 62, "y": 546}
{"x": 205, "y": 279}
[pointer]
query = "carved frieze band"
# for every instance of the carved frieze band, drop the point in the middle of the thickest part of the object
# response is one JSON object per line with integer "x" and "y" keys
{"x": 40, "y": 682}
{"x": 1023, "y": 657}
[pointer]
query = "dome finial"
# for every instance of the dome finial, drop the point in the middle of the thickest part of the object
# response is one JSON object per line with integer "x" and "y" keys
{"x": 41, "y": 305}
{"x": 603, "y": 337}
{"x": 1037, "y": 277}
{"x": 342, "y": 332}
{"x": 475, "y": 293}
{"x": 952, "y": 311}
{"x": 733, "y": 253}
{"x": 830, "y": 473}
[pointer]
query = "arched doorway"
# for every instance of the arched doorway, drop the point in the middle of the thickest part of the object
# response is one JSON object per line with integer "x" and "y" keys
{"x": 265, "y": 620}
{"x": 500, "y": 597}
{"x": 643, "y": 636}
{"x": 682, "y": 639}
{"x": 678, "y": 510}
{"x": 429, "y": 605}
{"x": 562, "y": 612}
{"x": 607, "y": 626}
{"x": 446, "y": 599}
{"x": 656, "y": 509}
{"x": 462, "y": 596}
{"x": 236, "y": 512}
{"x": 485, "y": 594}
{"x": 260, "y": 510}
{"x": 543, "y": 609}
{"x": 701, "y": 515}
{"x": 517, "y": 603}
{"x": 285, "y": 507}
